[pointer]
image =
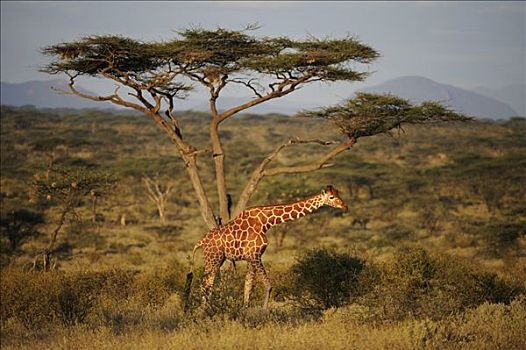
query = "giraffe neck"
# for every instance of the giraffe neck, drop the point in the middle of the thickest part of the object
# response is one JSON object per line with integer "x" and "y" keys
{"x": 278, "y": 214}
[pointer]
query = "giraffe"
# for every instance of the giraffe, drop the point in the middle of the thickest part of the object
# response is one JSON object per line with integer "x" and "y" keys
{"x": 243, "y": 238}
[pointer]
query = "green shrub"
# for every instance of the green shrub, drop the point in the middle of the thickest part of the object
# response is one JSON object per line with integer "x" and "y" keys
{"x": 40, "y": 299}
{"x": 321, "y": 279}
{"x": 152, "y": 288}
{"x": 29, "y": 297}
{"x": 489, "y": 326}
{"x": 76, "y": 295}
{"x": 418, "y": 285}
{"x": 502, "y": 235}
{"x": 227, "y": 293}
{"x": 118, "y": 284}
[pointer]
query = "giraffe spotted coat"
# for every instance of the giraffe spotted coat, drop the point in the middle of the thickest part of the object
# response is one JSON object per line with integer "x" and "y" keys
{"x": 243, "y": 238}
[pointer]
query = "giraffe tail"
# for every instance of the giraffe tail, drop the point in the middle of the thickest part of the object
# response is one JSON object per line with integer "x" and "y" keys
{"x": 189, "y": 278}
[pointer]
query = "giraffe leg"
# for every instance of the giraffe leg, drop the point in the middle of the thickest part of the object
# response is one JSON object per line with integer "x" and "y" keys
{"x": 249, "y": 281}
{"x": 260, "y": 271}
{"x": 208, "y": 282}
{"x": 212, "y": 267}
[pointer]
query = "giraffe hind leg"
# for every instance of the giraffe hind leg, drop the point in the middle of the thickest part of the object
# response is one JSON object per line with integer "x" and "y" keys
{"x": 212, "y": 268}
{"x": 261, "y": 273}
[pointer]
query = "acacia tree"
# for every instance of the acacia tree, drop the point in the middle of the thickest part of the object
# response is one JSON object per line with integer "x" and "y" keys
{"x": 65, "y": 190}
{"x": 156, "y": 74}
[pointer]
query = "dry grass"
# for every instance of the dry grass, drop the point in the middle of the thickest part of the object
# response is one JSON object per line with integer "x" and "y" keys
{"x": 490, "y": 326}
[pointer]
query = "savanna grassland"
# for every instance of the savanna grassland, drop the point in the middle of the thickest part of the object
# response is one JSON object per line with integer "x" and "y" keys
{"x": 430, "y": 255}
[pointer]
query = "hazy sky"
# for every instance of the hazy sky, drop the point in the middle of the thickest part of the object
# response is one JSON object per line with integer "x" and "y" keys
{"x": 467, "y": 44}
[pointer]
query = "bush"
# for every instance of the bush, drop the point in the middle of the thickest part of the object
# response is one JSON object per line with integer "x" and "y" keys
{"x": 28, "y": 297}
{"x": 152, "y": 288}
{"x": 40, "y": 299}
{"x": 76, "y": 296}
{"x": 37, "y": 300}
{"x": 226, "y": 296}
{"x": 502, "y": 235}
{"x": 489, "y": 326}
{"x": 419, "y": 285}
{"x": 321, "y": 279}
{"x": 227, "y": 293}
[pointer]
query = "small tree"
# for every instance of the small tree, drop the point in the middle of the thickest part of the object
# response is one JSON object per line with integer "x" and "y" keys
{"x": 156, "y": 74}
{"x": 65, "y": 189}
{"x": 158, "y": 194}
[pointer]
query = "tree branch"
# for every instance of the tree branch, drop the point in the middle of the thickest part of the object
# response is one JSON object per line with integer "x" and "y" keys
{"x": 248, "y": 84}
{"x": 279, "y": 91}
{"x": 320, "y": 163}
{"x": 260, "y": 172}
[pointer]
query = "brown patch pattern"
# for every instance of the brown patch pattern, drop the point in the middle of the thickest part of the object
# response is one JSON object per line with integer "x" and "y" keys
{"x": 243, "y": 238}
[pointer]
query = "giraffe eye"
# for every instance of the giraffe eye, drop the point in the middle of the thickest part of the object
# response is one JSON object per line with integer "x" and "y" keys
{"x": 331, "y": 197}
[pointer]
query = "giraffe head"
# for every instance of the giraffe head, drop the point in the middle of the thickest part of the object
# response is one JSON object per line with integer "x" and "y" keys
{"x": 331, "y": 197}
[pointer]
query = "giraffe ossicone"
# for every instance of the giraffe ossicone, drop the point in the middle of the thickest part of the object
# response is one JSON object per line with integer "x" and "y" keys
{"x": 243, "y": 238}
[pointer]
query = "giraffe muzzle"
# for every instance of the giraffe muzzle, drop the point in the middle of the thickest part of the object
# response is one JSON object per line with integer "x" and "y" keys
{"x": 345, "y": 208}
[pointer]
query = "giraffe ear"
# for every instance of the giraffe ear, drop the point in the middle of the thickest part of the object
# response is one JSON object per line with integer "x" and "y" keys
{"x": 329, "y": 188}
{"x": 322, "y": 191}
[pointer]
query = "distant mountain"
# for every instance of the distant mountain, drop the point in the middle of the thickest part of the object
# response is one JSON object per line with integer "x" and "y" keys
{"x": 418, "y": 89}
{"x": 485, "y": 104}
{"x": 283, "y": 105}
{"x": 39, "y": 94}
{"x": 513, "y": 95}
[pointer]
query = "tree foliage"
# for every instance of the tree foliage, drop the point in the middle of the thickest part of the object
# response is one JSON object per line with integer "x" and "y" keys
{"x": 205, "y": 52}
{"x": 370, "y": 114}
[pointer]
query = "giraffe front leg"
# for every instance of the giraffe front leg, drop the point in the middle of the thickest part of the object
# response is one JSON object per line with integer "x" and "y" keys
{"x": 249, "y": 281}
{"x": 260, "y": 271}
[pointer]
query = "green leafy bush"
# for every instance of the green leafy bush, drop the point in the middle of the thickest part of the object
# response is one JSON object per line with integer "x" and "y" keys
{"x": 28, "y": 297}
{"x": 152, "y": 288}
{"x": 321, "y": 279}
{"x": 419, "y": 285}
{"x": 38, "y": 299}
{"x": 76, "y": 295}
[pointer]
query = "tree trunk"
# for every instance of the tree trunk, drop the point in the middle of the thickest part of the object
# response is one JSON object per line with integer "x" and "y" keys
{"x": 48, "y": 251}
{"x": 219, "y": 162}
{"x": 161, "y": 210}
{"x": 202, "y": 198}
{"x": 123, "y": 219}
{"x": 189, "y": 155}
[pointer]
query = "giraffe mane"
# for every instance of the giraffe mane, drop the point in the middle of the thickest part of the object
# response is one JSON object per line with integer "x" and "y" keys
{"x": 287, "y": 203}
